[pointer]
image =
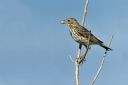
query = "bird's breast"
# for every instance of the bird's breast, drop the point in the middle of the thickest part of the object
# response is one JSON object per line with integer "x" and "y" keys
{"x": 75, "y": 35}
{"x": 80, "y": 39}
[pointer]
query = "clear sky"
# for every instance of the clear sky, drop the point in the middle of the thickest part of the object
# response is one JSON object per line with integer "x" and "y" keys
{"x": 35, "y": 47}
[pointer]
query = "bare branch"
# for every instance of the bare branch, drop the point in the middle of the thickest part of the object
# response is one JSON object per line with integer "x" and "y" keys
{"x": 77, "y": 62}
{"x": 71, "y": 58}
{"x": 101, "y": 64}
{"x": 85, "y": 12}
{"x": 77, "y": 72}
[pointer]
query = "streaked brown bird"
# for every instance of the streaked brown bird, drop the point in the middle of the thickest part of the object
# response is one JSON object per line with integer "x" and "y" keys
{"x": 82, "y": 35}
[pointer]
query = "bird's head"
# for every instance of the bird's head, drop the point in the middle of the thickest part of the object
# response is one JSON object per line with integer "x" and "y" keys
{"x": 69, "y": 21}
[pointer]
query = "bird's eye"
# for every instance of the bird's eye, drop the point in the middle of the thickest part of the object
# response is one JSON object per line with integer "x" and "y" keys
{"x": 68, "y": 20}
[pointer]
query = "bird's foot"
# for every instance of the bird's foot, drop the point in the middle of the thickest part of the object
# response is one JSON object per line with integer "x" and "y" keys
{"x": 81, "y": 59}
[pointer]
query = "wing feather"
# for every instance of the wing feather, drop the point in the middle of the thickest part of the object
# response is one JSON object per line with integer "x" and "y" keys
{"x": 85, "y": 33}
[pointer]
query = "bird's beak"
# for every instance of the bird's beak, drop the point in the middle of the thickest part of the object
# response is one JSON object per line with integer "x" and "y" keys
{"x": 63, "y": 22}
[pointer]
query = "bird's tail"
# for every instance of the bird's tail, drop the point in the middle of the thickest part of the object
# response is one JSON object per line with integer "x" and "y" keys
{"x": 106, "y": 47}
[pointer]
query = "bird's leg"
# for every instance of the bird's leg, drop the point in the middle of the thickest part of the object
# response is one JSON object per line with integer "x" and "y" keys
{"x": 80, "y": 46}
{"x": 79, "y": 50}
{"x": 83, "y": 57}
{"x": 78, "y": 54}
{"x": 87, "y": 47}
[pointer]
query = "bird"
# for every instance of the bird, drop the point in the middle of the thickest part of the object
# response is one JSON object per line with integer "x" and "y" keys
{"x": 82, "y": 35}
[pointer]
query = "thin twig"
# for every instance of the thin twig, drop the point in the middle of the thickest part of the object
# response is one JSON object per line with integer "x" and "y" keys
{"x": 80, "y": 46}
{"x": 101, "y": 64}
{"x": 71, "y": 58}
{"x": 85, "y": 12}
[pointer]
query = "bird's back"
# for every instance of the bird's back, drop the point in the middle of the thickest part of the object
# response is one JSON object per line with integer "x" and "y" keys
{"x": 81, "y": 35}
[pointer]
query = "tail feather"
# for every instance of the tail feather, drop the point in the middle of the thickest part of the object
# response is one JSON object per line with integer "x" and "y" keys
{"x": 106, "y": 47}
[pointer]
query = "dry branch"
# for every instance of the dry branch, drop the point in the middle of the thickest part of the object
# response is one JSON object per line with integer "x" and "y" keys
{"x": 78, "y": 58}
{"x": 101, "y": 64}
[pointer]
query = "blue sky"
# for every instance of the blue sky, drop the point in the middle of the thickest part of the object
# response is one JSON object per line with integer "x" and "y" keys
{"x": 35, "y": 47}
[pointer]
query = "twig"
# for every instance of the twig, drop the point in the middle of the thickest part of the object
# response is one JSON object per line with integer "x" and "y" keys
{"x": 71, "y": 58}
{"x": 80, "y": 46}
{"x": 85, "y": 12}
{"x": 101, "y": 64}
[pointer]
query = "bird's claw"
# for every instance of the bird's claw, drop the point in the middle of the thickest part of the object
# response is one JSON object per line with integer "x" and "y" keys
{"x": 81, "y": 59}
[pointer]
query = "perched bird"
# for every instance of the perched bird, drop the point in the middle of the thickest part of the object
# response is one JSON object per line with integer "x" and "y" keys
{"x": 82, "y": 35}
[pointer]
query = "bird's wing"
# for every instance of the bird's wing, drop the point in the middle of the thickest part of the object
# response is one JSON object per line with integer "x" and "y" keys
{"x": 85, "y": 33}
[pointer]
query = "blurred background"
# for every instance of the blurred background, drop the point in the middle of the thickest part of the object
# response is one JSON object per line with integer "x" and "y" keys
{"x": 35, "y": 47}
